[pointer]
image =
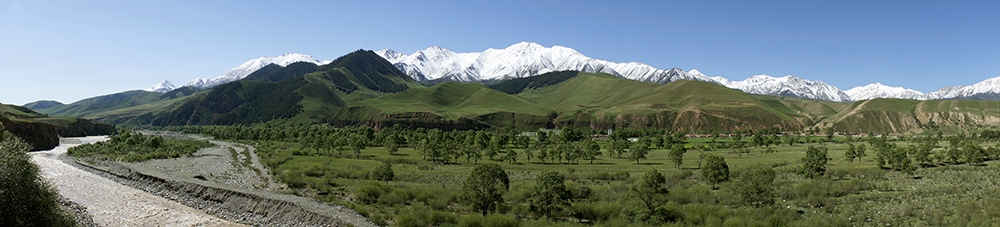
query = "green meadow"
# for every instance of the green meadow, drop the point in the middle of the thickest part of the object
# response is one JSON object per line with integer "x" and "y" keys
{"x": 429, "y": 192}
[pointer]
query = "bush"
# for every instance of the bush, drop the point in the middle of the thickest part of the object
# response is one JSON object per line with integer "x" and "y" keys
{"x": 383, "y": 172}
{"x": 28, "y": 200}
{"x": 596, "y": 210}
{"x": 371, "y": 192}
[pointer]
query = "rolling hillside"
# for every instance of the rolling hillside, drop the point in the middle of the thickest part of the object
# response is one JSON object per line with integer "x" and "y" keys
{"x": 100, "y": 104}
{"x": 914, "y": 116}
{"x": 43, "y": 132}
{"x": 576, "y": 99}
{"x": 362, "y": 88}
{"x": 282, "y": 96}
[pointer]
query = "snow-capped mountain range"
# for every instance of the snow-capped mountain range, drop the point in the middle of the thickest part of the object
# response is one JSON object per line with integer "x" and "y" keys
{"x": 528, "y": 59}
{"x": 248, "y": 67}
{"x": 878, "y": 90}
{"x": 162, "y": 87}
{"x": 787, "y": 86}
{"x": 520, "y": 60}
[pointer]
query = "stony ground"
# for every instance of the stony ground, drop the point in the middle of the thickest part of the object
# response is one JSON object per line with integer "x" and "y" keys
{"x": 228, "y": 163}
{"x": 111, "y": 203}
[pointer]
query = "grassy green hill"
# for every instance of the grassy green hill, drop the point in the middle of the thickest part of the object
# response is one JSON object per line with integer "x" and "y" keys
{"x": 362, "y": 88}
{"x": 42, "y": 104}
{"x": 43, "y": 132}
{"x": 297, "y": 94}
{"x": 577, "y": 99}
{"x": 447, "y": 105}
{"x": 100, "y": 104}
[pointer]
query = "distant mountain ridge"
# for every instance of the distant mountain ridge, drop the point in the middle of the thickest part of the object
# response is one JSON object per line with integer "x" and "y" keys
{"x": 437, "y": 64}
{"x": 240, "y": 72}
{"x": 787, "y": 86}
{"x": 521, "y": 60}
{"x": 878, "y": 90}
{"x": 526, "y": 59}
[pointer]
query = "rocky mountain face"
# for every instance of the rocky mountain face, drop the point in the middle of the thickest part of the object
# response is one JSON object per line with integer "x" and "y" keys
{"x": 162, "y": 87}
{"x": 239, "y": 72}
{"x": 878, "y": 90}
{"x": 986, "y": 89}
{"x": 787, "y": 86}
{"x": 521, "y": 60}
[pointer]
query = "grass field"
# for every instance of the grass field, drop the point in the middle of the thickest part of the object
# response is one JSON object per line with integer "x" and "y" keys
{"x": 851, "y": 193}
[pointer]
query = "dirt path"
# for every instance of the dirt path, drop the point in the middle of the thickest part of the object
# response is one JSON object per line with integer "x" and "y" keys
{"x": 114, "y": 204}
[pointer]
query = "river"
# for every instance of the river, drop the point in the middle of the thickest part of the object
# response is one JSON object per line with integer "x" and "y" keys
{"x": 111, "y": 203}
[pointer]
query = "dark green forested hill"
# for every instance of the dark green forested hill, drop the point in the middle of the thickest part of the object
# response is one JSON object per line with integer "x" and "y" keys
{"x": 301, "y": 93}
{"x": 275, "y": 73}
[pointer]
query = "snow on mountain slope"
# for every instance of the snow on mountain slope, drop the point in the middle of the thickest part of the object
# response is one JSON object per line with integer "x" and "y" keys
{"x": 241, "y": 71}
{"x": 162, "y": 87}
{"x": 989, "y": 86}
{"x": 521, "y": 60}
{"x": 787, "y": 86}
{"x": 878, "y": 90}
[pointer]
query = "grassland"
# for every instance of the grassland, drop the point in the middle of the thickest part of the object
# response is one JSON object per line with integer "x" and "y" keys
{"x": 426, "y": 192}
{"x": 588, "y": 100}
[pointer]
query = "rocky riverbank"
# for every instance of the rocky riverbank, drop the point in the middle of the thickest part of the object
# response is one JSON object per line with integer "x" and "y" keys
{"x": 234, "y": 200}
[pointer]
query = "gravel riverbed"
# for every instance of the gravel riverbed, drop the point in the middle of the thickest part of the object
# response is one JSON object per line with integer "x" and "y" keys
{"x": 226, "y": 182}
{"x": 111, "y": 203}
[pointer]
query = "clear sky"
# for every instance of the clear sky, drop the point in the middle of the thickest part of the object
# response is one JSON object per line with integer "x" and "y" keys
{"x": 70, "y": 50}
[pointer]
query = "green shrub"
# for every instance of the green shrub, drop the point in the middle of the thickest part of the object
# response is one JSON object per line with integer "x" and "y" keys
{"x": 596, "y": 210}
{"x": 370, "y": 192}
{"x": 28, "y": 200}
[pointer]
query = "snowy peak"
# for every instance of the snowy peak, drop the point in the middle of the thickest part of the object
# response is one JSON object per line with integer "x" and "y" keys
{"x": 786, "y": 86}
{"x": 520, "y": 60}
{"x": 162, "y": 87}
{"x": 248, "y": 67}
{"x": 987, "y": 87}
{"x": 878, "y": 90}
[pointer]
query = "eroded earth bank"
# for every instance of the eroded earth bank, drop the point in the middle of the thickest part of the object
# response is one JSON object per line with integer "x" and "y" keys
{"x": 223, "y": 185}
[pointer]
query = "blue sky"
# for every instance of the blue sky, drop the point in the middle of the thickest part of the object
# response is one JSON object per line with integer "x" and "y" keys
{"x": 67, "y": 51}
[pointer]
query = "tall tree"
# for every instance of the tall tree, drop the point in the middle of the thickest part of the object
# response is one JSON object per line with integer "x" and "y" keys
{"x": 592, "y": 150}
{"x": 357, "y": 142}
{"x": 851, "y": 152}
{"x": 716, "y": 170}
{"x": 677, "y": 154}
{"x": 638, "y": 151}
{"x": 549, "y": 194}
{"x": 483, "y": 189}
{"x": 650, "y": 190}
{"x": 814, "y": 164}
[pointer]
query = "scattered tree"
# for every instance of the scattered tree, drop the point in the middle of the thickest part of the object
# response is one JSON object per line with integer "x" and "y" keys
{"x": 650, "y": 190}
{"x": 677, "y": 155}
{"x": 383, "y": 172}
{"x": 716, "y": 170}
{"x": 755, "y": 186}
{"x": 638, "y": 151}
{"x": 814, "y": 164}
{"x": 483, "y": 189}
{"x": 549, "y": 194}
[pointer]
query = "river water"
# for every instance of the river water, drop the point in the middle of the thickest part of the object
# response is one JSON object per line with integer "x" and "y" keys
{"x": 111, "y": 203}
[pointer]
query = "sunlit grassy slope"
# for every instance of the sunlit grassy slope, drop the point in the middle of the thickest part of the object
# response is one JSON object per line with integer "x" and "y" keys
{"x": 587, "y": 100}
